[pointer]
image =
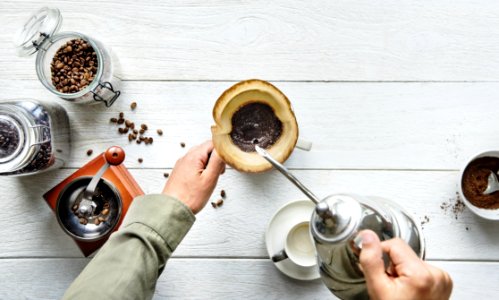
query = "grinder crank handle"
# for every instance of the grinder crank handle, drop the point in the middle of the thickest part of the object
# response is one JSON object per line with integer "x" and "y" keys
{"x": 113, "y": 156}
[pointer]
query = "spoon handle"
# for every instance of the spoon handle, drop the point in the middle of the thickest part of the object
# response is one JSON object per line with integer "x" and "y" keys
{"x": 286, "y": 173}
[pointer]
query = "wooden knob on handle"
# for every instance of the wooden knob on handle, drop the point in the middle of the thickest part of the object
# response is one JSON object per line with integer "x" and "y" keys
{"x": 114, "y": 155}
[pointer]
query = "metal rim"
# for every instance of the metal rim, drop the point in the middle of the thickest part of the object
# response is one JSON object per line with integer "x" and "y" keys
{"x": 105, "y": 233}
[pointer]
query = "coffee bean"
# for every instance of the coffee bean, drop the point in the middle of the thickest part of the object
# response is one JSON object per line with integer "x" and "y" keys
{"x": 83, "y": 221}
{"x": 122, "y": 115}
{"x": 69, "y": 65}
{"x": 130, "y": 137}
{"x": 217, "y": 203}
{"x": 182, "y": 145}
{"x": 121, "y": 130}
{"x": 140, "y": 160}
{"x": 121, "y": 121}
{"x": 132, "y": 126}
{"x": 128, "y": 123}
{"x": 143, "y": 126}
{"x": 166, "y": 175}
{"x": 159, "y": 131}
{"x": 114, "y": 120}
{"x": 222, "y": 194}
{"x": 133, "y": 106}
{"x": 105, "y": 211}
{"x": 125, "y": 130}
{"x": 97, "y": 221}
{"x": 89, "y": 152}
{"x": 151, "y": 140}
{"x": 135, "y": 131}
{"x": 139, "y": 141}
{"x": 142, "y": 131}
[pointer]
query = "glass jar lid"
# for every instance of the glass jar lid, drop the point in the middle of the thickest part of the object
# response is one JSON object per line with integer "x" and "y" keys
{"x": 18, "y": 138}
{"x": 41, "y": 25}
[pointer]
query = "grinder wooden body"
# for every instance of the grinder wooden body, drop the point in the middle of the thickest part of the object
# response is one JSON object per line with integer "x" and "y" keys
{"x": 118, "y": 176}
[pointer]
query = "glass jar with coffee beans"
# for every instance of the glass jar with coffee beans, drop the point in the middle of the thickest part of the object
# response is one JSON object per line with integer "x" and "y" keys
{"x": 34, "y": 137}
{"x": 71, "y": 65}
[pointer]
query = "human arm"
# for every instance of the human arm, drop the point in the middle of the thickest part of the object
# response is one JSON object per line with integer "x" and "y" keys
{"x": 410, "y": 277}
{"x": 130, "y": 262}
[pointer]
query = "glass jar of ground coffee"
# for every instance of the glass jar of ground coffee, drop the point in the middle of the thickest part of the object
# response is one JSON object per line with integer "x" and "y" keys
{"x": 34, "y": 137}
{"x": 71, "y": 65}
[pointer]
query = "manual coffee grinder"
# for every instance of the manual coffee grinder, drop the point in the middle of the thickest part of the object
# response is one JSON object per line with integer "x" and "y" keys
{"x": 91, "y": 203}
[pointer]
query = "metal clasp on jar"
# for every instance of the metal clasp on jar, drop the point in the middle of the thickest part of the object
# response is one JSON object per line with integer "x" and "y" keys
{"x": 103, "y": 86}
{"x": 44, "y": 132}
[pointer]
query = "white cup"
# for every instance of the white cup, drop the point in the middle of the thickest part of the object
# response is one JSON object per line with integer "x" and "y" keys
{"x": 298, "y": 247}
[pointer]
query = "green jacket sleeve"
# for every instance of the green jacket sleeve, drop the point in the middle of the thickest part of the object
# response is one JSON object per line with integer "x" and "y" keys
{"x": 130, "y": 262}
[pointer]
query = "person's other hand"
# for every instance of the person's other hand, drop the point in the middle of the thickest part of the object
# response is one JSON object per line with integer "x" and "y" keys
{"x": 410, "y": 278}
{"x": 195, "y": 176}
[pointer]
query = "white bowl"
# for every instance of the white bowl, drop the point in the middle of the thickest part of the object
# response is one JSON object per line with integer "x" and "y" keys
{"x": 489, "y": 214}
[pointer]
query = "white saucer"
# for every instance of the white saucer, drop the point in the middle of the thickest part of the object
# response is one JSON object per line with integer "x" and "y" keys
{"x": 281, "y": 223}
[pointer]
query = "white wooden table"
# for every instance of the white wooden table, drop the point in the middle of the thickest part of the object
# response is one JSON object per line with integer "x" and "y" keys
{"x": 395, "y": 95}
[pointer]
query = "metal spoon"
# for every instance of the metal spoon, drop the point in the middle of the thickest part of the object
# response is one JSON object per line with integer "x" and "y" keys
{"x": 286, "y": 173}
{"x": 492, "y": 184}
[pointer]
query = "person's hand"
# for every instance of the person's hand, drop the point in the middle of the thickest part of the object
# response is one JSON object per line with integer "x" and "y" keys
{"x": 409, "y": 278}
{"x": 195, "y": 176}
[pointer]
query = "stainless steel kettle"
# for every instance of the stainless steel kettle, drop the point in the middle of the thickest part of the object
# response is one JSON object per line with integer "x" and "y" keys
{"x": 334, "y": 226}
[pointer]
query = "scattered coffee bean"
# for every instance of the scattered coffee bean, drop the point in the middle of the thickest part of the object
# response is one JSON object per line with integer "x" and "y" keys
{"x": 130, "y": 137}
{"x": 83, "y": 221}
{"x": 166, "y": 175}
{"x": 105, "y": 211}
{"x": 122, "y": 115}
{"x": 151, "y": 140}
{"x": 113, "y": 120}
{"x": 73, "y": 66}
{"x": 182, "y": 145}
{"x": 159, "y": 131}
{"x": 121, "y": 130}
{"x": 133, "y": 106}
{"x": 125, "y": 130}
{"x": 139, "y": 141}
{"x": 106, "y": 205}
{"x": 142, "y": 131}
{"x": 143, "y": 126}
{"x": 217, "y": 203}
{"x": 140, "y": 160}
{"x": 222, "y": 194}
{"x": 135, "y": 131}
{"x": 121, "y": 121}
{"x": 58, "y": 150}
{"x": 128, "y": 123}
{"x": 89, "y": 152}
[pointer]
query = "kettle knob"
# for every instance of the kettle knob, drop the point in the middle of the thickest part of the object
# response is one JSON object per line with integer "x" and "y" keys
{"x": 335, "y": 218}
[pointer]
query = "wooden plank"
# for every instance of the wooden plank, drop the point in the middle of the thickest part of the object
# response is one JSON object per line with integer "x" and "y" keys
{"x": 237, "y": 229}
{"x": 282, "y": 40}
{"x": 219, "y": 279}
{"x": 352, "y": 125}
